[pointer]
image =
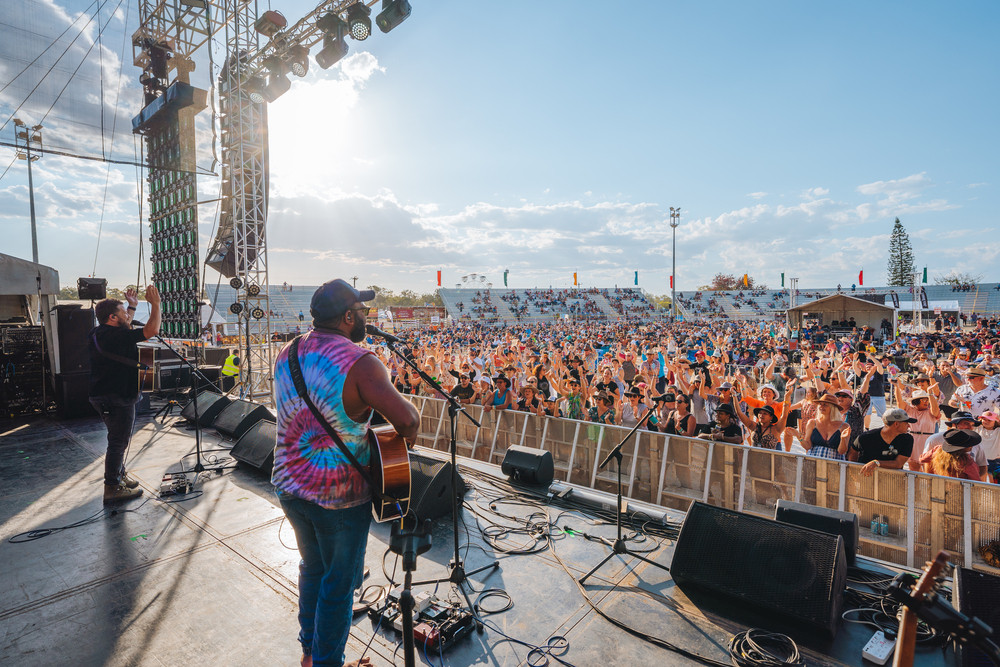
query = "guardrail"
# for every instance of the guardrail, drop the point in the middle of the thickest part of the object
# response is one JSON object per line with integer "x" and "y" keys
{"x": 925, "y": 513}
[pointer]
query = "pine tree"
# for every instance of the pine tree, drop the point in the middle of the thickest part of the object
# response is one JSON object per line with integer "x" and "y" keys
{"x": 901, "y": 264}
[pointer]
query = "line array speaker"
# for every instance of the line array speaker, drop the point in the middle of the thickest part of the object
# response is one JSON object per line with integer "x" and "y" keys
{"x": 210, "y": 404}
{"x": 256, "y": 446}
{"x": 763, "y": 564}
{"x": 237, "y": 418}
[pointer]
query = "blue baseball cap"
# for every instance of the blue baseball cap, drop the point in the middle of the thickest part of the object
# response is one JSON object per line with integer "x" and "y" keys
{"x": 334, "y": 298}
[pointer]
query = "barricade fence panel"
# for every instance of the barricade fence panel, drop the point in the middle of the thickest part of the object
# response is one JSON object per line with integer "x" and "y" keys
{"x": 914, "y": 514}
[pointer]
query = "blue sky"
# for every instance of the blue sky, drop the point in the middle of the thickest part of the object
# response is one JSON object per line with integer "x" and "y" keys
{"x": 552, "y": 137}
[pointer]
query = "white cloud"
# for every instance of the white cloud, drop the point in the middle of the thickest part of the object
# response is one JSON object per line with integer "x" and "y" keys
{"x": 757, "y": 195}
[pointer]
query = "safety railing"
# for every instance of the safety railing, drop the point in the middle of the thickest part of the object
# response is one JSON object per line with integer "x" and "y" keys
{"x": 924, "y": 513}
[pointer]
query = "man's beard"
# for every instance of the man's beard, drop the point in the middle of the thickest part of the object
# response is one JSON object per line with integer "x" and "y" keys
{"x": 358, "y": 330}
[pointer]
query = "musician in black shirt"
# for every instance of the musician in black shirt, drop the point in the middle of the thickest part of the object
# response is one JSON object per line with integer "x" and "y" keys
{"x": 114, "y": 382}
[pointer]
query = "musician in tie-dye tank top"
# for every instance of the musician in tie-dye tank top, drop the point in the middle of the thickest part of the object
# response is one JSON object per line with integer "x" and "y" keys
{"x": 326, "y": 500}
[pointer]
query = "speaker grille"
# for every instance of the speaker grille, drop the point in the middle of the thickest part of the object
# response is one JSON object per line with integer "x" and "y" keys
{"x": 976, "y": 594}
{"x": 256, "y": 447}
{"x": 237, "y": 417}
{"x": 796, "y": 572}
{"x": 210, "y": 404}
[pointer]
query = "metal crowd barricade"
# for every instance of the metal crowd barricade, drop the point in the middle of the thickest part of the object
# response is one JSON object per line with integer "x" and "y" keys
{"x": 923, "y": 513}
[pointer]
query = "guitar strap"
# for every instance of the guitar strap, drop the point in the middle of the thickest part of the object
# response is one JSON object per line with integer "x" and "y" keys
{"x": 300, "y": 387}
{"x": 132, "y": 363}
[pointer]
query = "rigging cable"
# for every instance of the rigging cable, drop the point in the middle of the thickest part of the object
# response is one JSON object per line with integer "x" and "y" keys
{"x": 114, "y": 125}
{"x": 45, "y": 50}
{"x": 82, "y": 60}
{"x": 50, "y": 70}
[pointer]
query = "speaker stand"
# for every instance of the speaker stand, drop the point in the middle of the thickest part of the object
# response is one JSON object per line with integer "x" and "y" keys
{"x": 618, "y": 547}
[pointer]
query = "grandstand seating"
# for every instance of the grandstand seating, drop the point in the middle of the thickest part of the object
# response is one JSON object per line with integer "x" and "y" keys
{"x": 549, "y": 304}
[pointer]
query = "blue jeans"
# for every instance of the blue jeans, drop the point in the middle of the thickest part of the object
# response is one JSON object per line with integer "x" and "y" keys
{"x": 877, "y": 405}
{"x": 119, "y": 416}
{"x": 332, "y": 546}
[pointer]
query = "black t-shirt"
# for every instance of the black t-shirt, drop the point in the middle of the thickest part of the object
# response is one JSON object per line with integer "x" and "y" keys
{"x": 528, "y": 407}
{"x": 460, "y": 392}
{"x": 872, "y": 447}
{"x": 733, "y": 430}
{"x": 107, "y": 376}
{"x": 876, "y": 386}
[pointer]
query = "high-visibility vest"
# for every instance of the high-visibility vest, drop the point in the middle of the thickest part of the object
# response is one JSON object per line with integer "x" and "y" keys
{"x": 231, "y": 365}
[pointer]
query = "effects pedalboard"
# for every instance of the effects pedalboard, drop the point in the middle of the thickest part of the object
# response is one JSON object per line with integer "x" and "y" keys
{"x": 175, "y": 484}
{"x": 437, "y": 625}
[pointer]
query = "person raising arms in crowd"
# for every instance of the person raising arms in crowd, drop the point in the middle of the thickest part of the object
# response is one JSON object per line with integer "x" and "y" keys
{"x": 923, "y": 408}
{"x": 826, "y": 435}
{"x": 681, "y": 421}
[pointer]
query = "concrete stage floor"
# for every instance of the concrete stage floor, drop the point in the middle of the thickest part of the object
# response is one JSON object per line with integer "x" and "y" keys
{"x": 211, "y": 580}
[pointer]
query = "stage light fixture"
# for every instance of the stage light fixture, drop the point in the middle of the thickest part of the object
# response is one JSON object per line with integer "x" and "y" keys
{"x": 236, "y": 308}
{"x": 235, "y": 282}
{"x": 359, "y": 21}
{"x": 277, "y": 79}
{"x": 255, "y": 89}
{"x": 253, "y": 290}
{"x": 298, "y": 60}
{"x": 393, "y": 13}
{"x": 333, "y": 50}
{"x": 257, "y": 313}
{"x": 334, "y": 46}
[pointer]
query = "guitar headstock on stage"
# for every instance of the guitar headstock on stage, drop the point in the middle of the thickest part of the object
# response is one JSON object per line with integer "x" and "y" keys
{"x": 913, "y": 596}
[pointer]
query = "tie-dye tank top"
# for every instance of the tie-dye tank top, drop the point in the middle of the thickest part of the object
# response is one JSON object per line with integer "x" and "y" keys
{"x": 308, "y": 464}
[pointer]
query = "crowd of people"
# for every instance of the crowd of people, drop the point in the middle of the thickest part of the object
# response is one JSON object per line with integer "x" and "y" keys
{"x": 739, "y": 382}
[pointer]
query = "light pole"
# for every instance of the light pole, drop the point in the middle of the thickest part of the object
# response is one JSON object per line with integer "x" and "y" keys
{"x": 25, "y": 139}
{"x": 675, "y": 220}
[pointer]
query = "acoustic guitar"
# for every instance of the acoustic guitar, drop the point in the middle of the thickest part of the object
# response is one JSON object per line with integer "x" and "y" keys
{"x": 906, "y": 640}
{"x": 390, "y": 471}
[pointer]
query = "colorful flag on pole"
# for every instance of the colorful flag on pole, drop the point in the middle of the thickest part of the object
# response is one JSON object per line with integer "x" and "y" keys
{"x": 574, "y": 277}
{"x": 782, "y": 279}
{"x": 925, "y": 274}
{"x": 861, "y": 277}
{"x": 746, "y": 280}
{"x": 505, "y": 272}
{"x": 671, "y": 282}
{"x": 636, "y": 277}
{"x": 439, "y": 278}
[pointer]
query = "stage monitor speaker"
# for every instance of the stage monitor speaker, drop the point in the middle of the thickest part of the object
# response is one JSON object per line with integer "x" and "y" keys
{"x": 528, "y": 465}
{"x": 92, "y": 288}
{"x": 763, "y": 564}
{"x": 237, "y": 418}
{"x": 210, "y": 404}
{"x": 256, "y": 447}
{"x": 73, "y": 324}
{"x": 431, "y": 486}
{"x": 824, "y": 520}
{"x": 172, "y": 376}
{"x": 73, "y": 396}
{"x": 976, "y": 593}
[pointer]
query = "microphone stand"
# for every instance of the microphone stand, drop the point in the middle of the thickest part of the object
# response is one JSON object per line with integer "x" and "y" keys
{"x": 457, "y": 574}
{"x": 199, "y": 467}
{"x": 619, "y": 546}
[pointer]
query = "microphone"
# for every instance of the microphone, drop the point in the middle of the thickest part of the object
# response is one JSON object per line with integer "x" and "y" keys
{"x": 375, "y": 331}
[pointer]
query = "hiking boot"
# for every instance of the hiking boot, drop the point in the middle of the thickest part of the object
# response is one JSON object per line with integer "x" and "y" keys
{"x": 129, "y": 482}
{"x": 119, "y": 493}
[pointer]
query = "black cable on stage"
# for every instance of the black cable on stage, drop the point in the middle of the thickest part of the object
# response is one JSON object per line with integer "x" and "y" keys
{"x": 759, "y": 648}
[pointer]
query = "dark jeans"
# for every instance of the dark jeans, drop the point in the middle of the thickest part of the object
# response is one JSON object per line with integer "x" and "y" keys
{"x": 119, "y": 416}
{"x": 332, "y": 546}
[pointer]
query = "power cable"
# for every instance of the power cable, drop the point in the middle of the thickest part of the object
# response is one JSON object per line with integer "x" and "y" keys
{"x": 128, "y": 163}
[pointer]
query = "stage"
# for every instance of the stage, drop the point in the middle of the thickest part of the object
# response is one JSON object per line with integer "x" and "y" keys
{"x": 210, "y": 578}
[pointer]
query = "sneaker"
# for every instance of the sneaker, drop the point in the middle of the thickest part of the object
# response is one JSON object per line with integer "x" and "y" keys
{"x": 129, "y": 481}
{"x": 119, "y": 493}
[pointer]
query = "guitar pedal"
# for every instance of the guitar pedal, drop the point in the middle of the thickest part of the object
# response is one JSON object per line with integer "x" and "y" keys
{"x": 878, "y": 649}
